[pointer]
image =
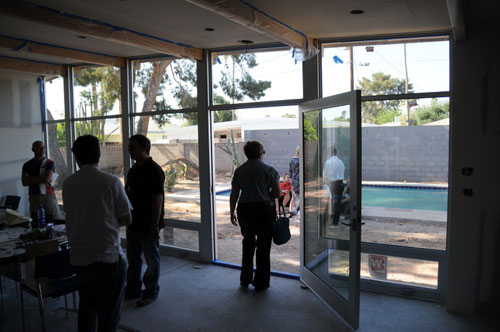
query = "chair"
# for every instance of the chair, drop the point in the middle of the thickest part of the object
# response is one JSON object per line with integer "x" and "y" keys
{"x": 54, "y": 277}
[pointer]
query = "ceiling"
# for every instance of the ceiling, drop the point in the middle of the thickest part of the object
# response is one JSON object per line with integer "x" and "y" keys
{"x": 180, "y": 21}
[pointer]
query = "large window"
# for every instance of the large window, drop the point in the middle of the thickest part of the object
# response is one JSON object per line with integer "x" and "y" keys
{"x": 277, "y": 129}
{"x": 383, "y": 67}
{"x": 405, "y": 147}
{"x": 161, "y": 86}
{"x": 97, "y": 109}
{"x": 240, "y": 77}
{"x": 56, "y": 130}
{"x": 245, "y": 77}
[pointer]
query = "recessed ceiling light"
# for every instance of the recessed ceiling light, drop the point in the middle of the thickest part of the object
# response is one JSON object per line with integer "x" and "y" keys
{"x": 209, "y": 29}
{"x": 81, "y": 37}
{"x": 246, "y": 41}
{"x": 357, "y": 11}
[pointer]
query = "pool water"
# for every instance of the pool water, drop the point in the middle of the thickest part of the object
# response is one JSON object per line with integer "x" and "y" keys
{"x": 415, "y": 198}
{"x": 419, "y": 198}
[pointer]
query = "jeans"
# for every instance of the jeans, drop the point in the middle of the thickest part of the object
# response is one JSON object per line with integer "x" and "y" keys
{"x": 140, "y": 242}
{"x": 101, "y": 290}
{"x": 256, "y": 220}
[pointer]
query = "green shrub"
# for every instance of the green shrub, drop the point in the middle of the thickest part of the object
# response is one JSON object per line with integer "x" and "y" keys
{"x": 170, "y": 178}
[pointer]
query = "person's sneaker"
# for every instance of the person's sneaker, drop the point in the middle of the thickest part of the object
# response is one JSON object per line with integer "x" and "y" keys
{"x": 293, "y": 213}
{"x": 144, "y": 301}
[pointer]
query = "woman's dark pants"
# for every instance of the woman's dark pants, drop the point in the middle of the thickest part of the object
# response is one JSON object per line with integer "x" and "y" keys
{"x": 256, "y": 221}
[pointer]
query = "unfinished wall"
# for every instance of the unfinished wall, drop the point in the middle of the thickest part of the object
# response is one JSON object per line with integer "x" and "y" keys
{"x": 20, "y": 125}
{"x": 474, "y": 228}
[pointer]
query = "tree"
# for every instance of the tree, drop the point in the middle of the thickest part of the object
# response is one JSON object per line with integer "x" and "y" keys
{"x": 382, "y": 111}
{"x": 435, "y": 111}
{"x": 102, "y": 90}
{"x": 289, "y": 115}
{"x": 180, "y": 76}
{"x": 310, "y": 126}
{"x": 154, "y": 75}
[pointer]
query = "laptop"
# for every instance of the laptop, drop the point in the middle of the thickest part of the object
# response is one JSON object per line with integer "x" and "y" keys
{"x": 11, "y": 202}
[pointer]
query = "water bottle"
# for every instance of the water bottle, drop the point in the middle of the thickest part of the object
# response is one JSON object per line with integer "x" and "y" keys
{"x": 50, "y": 231}
{"x": 41, "y": 217}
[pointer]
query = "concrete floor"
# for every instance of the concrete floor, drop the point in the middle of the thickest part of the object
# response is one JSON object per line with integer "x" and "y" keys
{"x": 199, "y": 297}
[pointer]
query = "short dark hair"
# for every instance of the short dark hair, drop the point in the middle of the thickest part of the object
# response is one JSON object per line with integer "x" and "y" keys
{"x": 253, "y": 149}
{"x": 87, "y": 149}
{"x": 142, "y": 141}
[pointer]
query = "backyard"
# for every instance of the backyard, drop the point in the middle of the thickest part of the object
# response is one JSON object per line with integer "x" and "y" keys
{"x": 400, "y": 227}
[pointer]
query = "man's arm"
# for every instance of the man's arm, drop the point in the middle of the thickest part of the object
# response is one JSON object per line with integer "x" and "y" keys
{"x": 125, "y": 220}
{"x": 28, "y": 180}
{"x": 233, "y": 199}
{"x": 46, "y": 177}
{"x": 156, "y": 213}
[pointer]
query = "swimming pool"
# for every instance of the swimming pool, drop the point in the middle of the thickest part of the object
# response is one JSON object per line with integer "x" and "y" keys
{"x": 400, "y": 197}
{"x": 415, "y": 198}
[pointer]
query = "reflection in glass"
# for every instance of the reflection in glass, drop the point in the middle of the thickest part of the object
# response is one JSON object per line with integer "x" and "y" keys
{"x": 326, "y": 167}
{"x": 174, "y": 146}
{"x": 335, "y": 144}
{"x": 164, "y": 84}
{"x": 97, "y": 91}
{"x": 255, "y": 76}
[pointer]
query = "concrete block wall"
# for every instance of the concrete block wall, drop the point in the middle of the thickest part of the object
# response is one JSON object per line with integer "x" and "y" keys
{"x": 279, "y": 145}
{"x": 413, "y": 154}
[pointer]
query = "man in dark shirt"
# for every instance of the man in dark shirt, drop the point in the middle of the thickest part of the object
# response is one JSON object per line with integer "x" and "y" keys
{"x": 144, "y": 187}
{"x": 39, "y": 174}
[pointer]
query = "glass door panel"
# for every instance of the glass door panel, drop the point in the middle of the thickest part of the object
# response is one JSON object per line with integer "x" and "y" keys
{"x": 331, "y": 185}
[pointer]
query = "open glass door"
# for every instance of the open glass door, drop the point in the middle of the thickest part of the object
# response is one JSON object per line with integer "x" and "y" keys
{"x": 330, "y": 175}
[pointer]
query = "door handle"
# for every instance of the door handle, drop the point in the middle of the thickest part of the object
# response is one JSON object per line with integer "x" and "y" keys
{"x": 350, "y": 223}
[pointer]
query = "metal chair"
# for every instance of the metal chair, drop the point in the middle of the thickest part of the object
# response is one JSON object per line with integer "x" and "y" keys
{"x": 54, "y": 277}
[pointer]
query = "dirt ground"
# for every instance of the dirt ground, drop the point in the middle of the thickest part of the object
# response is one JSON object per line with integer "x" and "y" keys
{"x": 286, "y": 258}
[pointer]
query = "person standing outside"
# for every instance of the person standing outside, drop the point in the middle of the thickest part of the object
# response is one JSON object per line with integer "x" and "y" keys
{"x": 145, "y": 189}
{"x": 96, "y": 206}
{"x": 259, "y": 185}
{"x": 333, "y": 177}
{"x": 39, "y": 174}
{"x": 295, "y": 175}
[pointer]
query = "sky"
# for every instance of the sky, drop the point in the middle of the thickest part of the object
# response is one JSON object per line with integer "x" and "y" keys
{"x": 428, "y": 70}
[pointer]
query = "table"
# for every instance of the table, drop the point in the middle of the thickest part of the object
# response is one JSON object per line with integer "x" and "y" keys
{"x": 12, "y": 257}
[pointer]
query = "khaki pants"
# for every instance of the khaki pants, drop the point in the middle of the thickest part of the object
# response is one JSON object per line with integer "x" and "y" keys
{"x": 49, "y": 203}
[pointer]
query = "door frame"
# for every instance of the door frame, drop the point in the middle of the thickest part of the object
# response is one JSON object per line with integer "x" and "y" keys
{"x": 347, "y": 309}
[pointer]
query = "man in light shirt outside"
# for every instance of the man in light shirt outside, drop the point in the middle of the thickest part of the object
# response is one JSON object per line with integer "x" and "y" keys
{"x": 333, "y": 177}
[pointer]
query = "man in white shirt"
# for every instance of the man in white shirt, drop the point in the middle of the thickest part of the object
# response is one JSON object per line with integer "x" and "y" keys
{"x": 333, "y": 177}
{"x": 96, "y": 206}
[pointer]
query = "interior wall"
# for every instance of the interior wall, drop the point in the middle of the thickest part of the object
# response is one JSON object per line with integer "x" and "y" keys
{"x": 20, "y": 125}
{"x": 474, "y": 229}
